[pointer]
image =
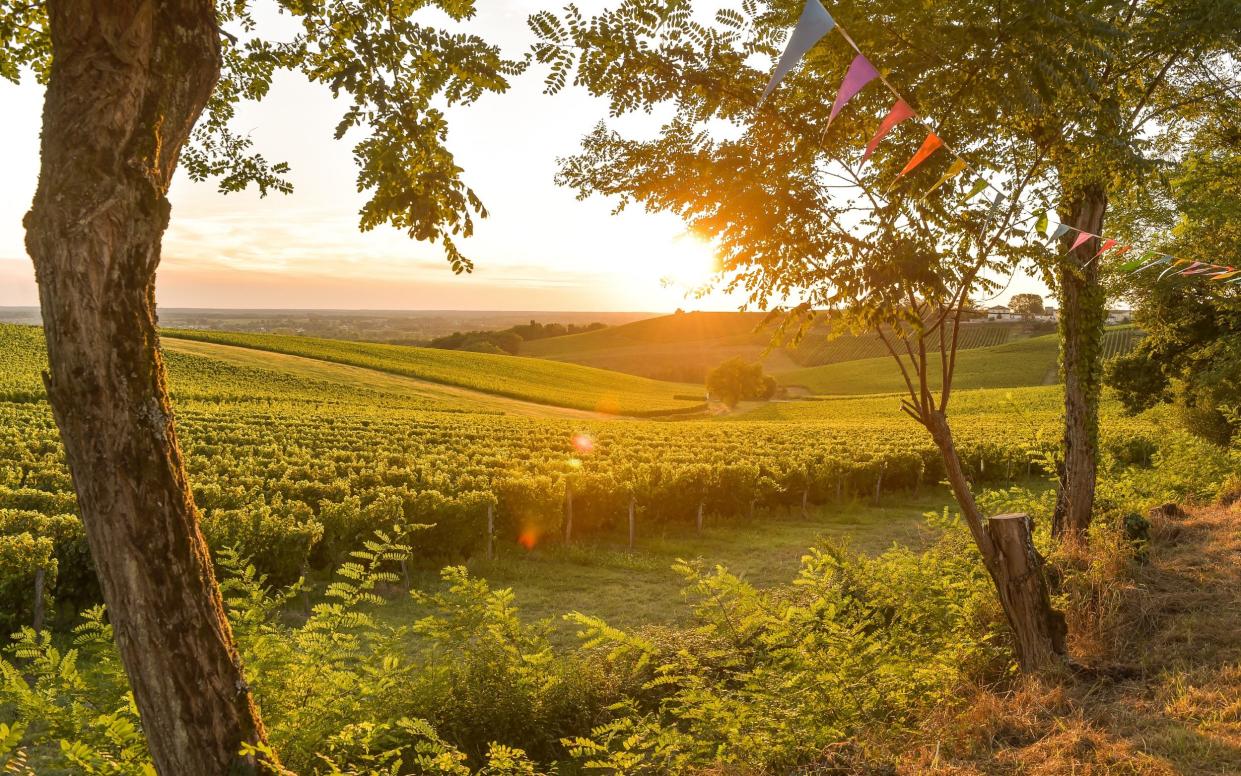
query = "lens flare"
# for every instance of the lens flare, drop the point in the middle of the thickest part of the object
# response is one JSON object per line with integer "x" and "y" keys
{"x": 584, "y": 444}
{"x": 528, "y": 538}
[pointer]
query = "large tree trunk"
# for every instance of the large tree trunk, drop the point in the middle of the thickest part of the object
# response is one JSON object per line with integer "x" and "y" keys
{"x": 1082, "y": 315}
{"x": 128, "y": 80}
{"x": 1015, "y": 567}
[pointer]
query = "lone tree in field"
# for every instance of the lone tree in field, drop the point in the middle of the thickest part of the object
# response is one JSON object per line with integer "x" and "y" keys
{"x": 1026, "y": 305}
{"x": 797, "y": 219}
{"x": 135, "y": 88}
{"x": 1106, "y": 90}
{"x": 737, "y": 380}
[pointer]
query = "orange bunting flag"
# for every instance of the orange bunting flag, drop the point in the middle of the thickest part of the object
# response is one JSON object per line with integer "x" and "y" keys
{"x": 929, "y": 146}
{"x": 956, "y": 169}
{"x": 1227, "y": 273}
{"x": 1081, "y": 238}
{"x": 900, "y": 111}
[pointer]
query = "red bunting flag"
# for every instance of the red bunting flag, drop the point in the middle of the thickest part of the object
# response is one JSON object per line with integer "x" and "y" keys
{"x": 899, "y": 112}
{"x": 1107, "y": 246}
{"x": 929, "y": 146}
{"x": 1081, "y": 238}
{"x": 860, "y": 73}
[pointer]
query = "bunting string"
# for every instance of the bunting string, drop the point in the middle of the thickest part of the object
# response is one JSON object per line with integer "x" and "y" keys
{"x": 815, "y": 23}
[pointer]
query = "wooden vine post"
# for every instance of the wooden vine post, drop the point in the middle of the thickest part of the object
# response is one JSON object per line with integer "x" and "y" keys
{"x": 568, "y": 520}
{"x": 699, "y": 519}
{"x": 632, "y": 524}
{"x": 879, "y": 481}
{"x": 491, "y": 532}
{"x": 39, "y": 576}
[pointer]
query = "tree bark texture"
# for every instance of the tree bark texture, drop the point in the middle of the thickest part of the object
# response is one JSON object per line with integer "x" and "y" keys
{"x": 1015, "y": 567}
{"x": 129, "y": 78}
{"x": 1082, "y": 315}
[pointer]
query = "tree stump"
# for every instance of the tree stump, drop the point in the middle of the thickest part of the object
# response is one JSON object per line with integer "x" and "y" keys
{"x": 1038, "y": 630}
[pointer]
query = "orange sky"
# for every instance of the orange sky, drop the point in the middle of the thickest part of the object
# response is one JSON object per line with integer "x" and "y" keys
{"x": 541, "y": 249}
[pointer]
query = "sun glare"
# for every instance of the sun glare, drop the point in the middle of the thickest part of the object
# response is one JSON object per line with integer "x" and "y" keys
{"x": 692, "y": 263}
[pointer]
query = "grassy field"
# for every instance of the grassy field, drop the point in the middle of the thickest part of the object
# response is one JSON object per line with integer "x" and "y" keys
{"x": 527, "y": 379}
{"x": 640, "y": 587}
{"x": 1024, "y": 362}
{"x": 687, "y": 345}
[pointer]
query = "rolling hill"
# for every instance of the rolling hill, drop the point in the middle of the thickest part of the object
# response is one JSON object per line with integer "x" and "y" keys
{"x": 685, "y": 346}
{"x": 1022, "y": 362}
{"x": 526, "y": 379}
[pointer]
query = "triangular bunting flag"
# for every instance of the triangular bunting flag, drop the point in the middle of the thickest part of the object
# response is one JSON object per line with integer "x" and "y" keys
{"x": 975, "y": 190}
{"x": 1040, "y": 225}
{"x": 1176, "y": 263}
{"x": 954, "y": 170}
{"x": 1198, "y": 268}
{"x": 1107, "y": 246}
{"x": 815, "y": 22}
{"x": 1060, "y": 231}
{"x": 1081, "y": 238}
{"x": 929, "y": 146}
{"x": 860, "y": 73}
{"x": 1162, "y": 259}
{"x": 899, "y": 112}
{"x": 1226, "y": 274}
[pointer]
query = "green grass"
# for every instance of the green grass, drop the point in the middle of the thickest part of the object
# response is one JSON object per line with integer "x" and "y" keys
{"x": 1024, "y": 362}
{"x": 687, "y": 346}
{"x": 631, "y": 589}
{"x": 528, "y": 379}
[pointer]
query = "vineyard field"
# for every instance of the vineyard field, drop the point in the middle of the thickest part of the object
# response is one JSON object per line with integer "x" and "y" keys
{"x": 545, "y": 382}
{"x": 294, "y": 461}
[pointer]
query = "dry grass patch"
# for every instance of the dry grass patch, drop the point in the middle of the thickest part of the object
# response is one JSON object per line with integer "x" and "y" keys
{"x": 1174, "y": 705}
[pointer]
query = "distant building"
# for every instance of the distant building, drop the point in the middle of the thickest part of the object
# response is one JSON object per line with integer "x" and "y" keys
{"x": 1119, "y": 316}
{"x": 999, "y": 312}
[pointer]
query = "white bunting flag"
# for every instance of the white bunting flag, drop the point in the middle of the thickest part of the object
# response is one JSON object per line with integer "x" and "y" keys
{"x": 815, "y": 22}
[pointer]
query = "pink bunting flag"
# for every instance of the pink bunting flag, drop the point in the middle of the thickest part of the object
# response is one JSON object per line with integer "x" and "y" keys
{"x": 860, "y": 73}
{"x": 899, "y": 112}
{"x": 929, "y": 146}
{"x": 1200, "y": 268}
{"x": 1081, "y": 239}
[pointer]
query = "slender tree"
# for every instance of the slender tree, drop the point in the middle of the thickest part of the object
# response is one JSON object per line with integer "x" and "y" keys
{"x": 1105, "y": 89}
{"x": 127, "y": 86}
{"x": 795, "y": 220}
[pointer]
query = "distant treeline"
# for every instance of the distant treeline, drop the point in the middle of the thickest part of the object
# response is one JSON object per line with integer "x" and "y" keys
{"x": 508, "y": 340}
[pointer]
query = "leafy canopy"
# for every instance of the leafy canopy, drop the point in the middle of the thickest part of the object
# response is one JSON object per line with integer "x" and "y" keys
{"x": 390, "y": 62}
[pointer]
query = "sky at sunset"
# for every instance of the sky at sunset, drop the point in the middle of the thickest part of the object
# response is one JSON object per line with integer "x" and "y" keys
{"x": 541, "y": 249}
